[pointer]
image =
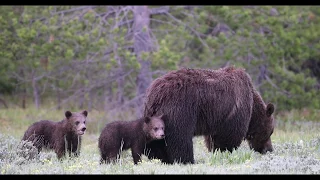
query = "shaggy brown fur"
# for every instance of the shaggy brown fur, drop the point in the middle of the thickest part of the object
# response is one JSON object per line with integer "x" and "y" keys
{"x": 260, "y": 128}
{"x": 220, "y": 104}
{"x": 59, "y": 136}
{"x": 123, "y": 135}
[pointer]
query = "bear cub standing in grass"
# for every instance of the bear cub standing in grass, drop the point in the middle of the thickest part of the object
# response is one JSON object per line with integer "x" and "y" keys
{"x": 123, "y": 135}
{"x": 59, "y": 136}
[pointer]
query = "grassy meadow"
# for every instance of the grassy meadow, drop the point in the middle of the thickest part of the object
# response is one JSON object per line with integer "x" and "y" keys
{"x": 296, "y": 141}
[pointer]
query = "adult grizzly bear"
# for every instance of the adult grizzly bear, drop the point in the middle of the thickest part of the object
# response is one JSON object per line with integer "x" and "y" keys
{"x": 123, "y": 135}
{"x": 220, "y": 104}
{"x": 59, "y": 136}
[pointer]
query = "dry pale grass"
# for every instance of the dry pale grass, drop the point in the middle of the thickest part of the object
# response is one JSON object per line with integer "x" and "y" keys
{"x": 296, "y": 143}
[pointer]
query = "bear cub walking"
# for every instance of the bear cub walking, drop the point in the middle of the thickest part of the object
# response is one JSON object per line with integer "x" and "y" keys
{"x": 59, "y": 136}
{"x": 123, "y": 135}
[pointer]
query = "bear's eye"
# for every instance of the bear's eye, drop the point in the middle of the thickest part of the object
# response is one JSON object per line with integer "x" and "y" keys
{"x": 156, "y": 129}
{"x": 84, "y": 122}
{"x": 77, "y": 122}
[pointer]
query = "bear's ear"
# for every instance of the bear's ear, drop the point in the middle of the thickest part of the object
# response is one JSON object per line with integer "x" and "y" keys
{"x": 85, "y": 113}
{"x": 147, "y": 119}
{"x": 163, "y": 117}
{"x": 270, "y": 109}
{"x": 68, "y": 114}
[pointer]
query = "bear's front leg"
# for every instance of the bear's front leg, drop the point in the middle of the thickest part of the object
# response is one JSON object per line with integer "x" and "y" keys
{"x": 76, "y": 146}
{"x": 180, "y": 148}
{"x": 209, "y": 142}
{"x": 136, "y": 153}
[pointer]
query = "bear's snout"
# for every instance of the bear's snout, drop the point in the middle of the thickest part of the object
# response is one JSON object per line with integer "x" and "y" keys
{"x": 160, "y": 135}
{"x": 81, "y": 131}
{"x": 267, "y": 149}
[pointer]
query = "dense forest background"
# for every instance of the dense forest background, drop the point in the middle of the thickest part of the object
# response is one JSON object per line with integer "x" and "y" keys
{"x": 104, "y": 57}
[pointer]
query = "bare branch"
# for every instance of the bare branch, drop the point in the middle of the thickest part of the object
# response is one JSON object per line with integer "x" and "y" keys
{"x": 160, "y": 10}
{"x": 74, "y": 9}
{"x": 193, "y": 30}
{"x": 109, "y": 51}
{"x": 160, "y": 21}
{"x": 125, "y": 22}
{"x": 275, "y": 86}
{"x": 63, "y": 12}
{"x": 101, "y": 83}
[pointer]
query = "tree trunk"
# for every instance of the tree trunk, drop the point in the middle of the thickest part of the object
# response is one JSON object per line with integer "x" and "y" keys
{"x": 24, "y": 98}
{"x": 4, "y": 103}
{"x": 120, "y": 94}
{"x": 262, "y": 76}
{"x": 142, "y": 43}
{"x": 24, "y": 92}
{"x": 81, "y": 100}
{"x": 91, "y": 100}
{"x": 120, "y": 80}
{"x": 36, "y": 95}
{"x": 58, "y": 94}
{"x": 107, "y": 97}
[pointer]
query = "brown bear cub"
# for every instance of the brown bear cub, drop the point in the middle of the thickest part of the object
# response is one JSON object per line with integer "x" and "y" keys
{"x": 59, "y": 136}
{"x": 123, "y": 135}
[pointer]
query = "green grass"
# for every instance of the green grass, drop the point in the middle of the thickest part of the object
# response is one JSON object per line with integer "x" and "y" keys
{"x": 296, "y": 142}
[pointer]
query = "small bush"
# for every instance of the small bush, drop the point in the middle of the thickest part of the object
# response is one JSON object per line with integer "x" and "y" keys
{"x": 14, "y": 151}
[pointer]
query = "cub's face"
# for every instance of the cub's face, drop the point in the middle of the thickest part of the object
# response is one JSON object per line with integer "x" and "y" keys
{"x": 78, "y": 121}
{"x": 154, "y": 127}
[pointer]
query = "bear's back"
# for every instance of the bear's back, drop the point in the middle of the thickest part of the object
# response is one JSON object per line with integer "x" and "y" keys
{"x": 44, "y": 128}
{"x": 119, "y": 132}
{"x": 193, "y": 79}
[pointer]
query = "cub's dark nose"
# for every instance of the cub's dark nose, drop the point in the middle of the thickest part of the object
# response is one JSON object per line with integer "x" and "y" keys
{"x": 83, "y": 129}
{"x": 162, "y": 135}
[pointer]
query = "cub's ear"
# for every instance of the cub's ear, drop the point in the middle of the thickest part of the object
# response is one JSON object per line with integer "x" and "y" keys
{"x": 164, "y": 117}
{"x": 270, "y": 109}
{"x": 68, "y": 114}
{"x": 85, "y": 113}
{"x": 147, "y": 119}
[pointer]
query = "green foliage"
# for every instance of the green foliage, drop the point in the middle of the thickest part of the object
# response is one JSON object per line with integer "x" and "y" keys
{"x": 235, "y": 157}
{"x": 281, "y": 39}
{"x": 46, "y": 44}
{"x": 166, "y": 57}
